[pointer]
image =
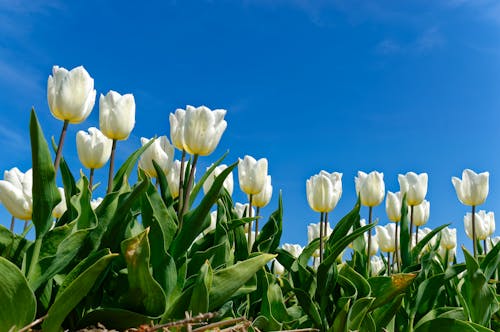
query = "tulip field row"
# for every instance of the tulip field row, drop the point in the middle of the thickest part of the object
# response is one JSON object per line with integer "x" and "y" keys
{"x": 148, "y": 254}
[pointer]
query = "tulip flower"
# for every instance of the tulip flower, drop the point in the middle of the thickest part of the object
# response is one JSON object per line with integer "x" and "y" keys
{"x": 443, "y": 252}
{"x": 448, "y": 238}
{"x": 472, "y": 190}
{"x": 61, "y": 207}
{"x": 242, "y": 210}
{"x": 293, "y": 249}
{"x": 94, "y": 150}
{"x": 16, "y": 194}
{"x": 371, "y": 191}
{"x": 161, "y": 151}
{"x": 277, "y": 269}
{"x": 116, "y": 119}
{"x": 421, "y": 214}
{"x": 71, "y": 97}
{"x": 484, "y": 225}
{"x": 377, "y": 265}
{"x": 261, "y": 200}
{"x": 317, "y": 230}
{"x": 421, "y": 233}
{"x": 323, "y": 193}
{"x": 252, "y": 174}
{"x": 227, "y": 184}
{"x": 177, "y": 136}
{"x": 96, "y": 202}
{"x": 173, "y": 178}
{"x": 414, "y": 186}
{"x": 393, "y": 206}
{"x": 494, "y": 241}
{"x": 373, "y": 245}
{"x": 388, "y": 240}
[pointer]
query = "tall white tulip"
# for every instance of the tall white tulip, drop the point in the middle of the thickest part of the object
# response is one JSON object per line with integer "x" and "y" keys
{"x": 252, "y": 174}
{"x": 373, "y": 245}
{"x": 227, "y": 184}
{"x": 324, "y": 191}
{"x": 370, "y": 188}
{"x": 484, "y": 222}
{"x": 385, "y": 235}
{"x": 177, "y": 128}
{"x": 203, "y": 129}
{"x": 393, "y": 206}
{"x": 70, "y": 94}
{"x": 61, "y": 207}
{"x": 377, "y": 265}
{"x": 161, "y": 151}
{"x": 448, "y": 238}
{"x": 242, "y": 210}
{"x": 264, "y": 197}
{"x": 16, "y": 193}
{"x": 117, "y": 115}
{"x": 71, "y": 97}
{"x": 294, "y": 249}
{"x": 473, "y": 188}
{"x": 278, "y": 269}
{"x": 414, "y": 186}
{"x": 173, "y": 178}
{"x": 93, "y": 148}
{"x": 421, "y": 213}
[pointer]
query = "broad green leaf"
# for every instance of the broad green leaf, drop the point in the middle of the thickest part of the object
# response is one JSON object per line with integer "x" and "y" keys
{"x": 269, "y": 237}
{"x": 117, "y": 318}
{"x": 358, "y": 312}
{"x": 74, "y": 293}
{"x": 384, "y": 289}
{"x": 164, "y": 190}
{"x": 491, "y": 262}
{"x": 197, "y": 187}
{"x": 309, "y": 306}
{"x": 227, "y": 281}
{"x": 423, "y": 242}
{"x": 384, "y": 314}
{"x": 450, "y": 325}
{"x": 362, "y": 285}
{"x": 200, "y": 299}
{"x": 404, "y": 236}
{"x": 342, "y": 228}
{"x": 341, "y": 314}
{"x": 12, "y": 246}
{"x": 144, "y": 295}
{"x": 273, "y": 306}
{"x": 442, "y": 312}
{"x": 18, "y": 303}
{"x": 45, "y": 192}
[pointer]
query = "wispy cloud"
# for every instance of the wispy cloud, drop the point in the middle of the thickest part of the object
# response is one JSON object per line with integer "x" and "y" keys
{"x": 429, "y": 40}
{"x": 14, "y": 140}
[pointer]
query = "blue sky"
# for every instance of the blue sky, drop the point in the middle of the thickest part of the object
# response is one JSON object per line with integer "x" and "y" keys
{"x": 310, "y": 84}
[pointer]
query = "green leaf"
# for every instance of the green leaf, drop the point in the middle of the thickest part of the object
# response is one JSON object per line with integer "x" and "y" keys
{"x": 404, "y": 236}
{"x": 73, "y": 293}
{"x": 227, "y": 281}
{"x": 45, "y": 192}
{"x": 117, "y": 318}
{"x": 361, "y": 284}
{"x": 18, "y": 303}
{"x": 199, "y": 184}
{"x": 358, "y": 312}
{"x": 309, "y": 306}
{"x": 12, "y": 246}
{"x": 450, "y": 325}
{"x": 422, "y": 243}
{"x": 384, "y": 314}
{"x": 200, "y": 299}
{"x": 491, "y": 262}
{"x": 442, "y": 312}
{"x": 384, "y": 289}
{"x": 144, "y": 295}
{"x": 270, "y": 235}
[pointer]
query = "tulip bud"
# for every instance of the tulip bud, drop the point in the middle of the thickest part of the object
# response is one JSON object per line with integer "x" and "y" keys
{"x": 370, "y": 188}
{"x": 95, "y": 203}
{"x": 473, "y": 189}
{"x": 16, "y": 193}
{"x": 414, "y": 186}
{"x": 203, "y": 129}
{"x": 293, "y": 249}
{"x": 60, "y": 208}
{"x": 116, "y": 115}
{"x": 93, "y": 148}
{"x": 252, "y": 238}
{"x": 373, "y": 244}
{"x": 377, "y": 265}
{"x": 264, "y": 197}
{"x": 177, "y": 128}
{"x": 393, "y": 206}
{"x": 421, "y": 213}
{"x": 242, "y": 210}
{"x": 277, "y": 267}
{"x": 227, "y": 184}
{"x": 448, "y": 238}
{"x": 324, "y": 191}
{"x": 173, "y": 178}
{"x": 70, "y": 94}
{"x": 161, "y": 151}
{"x": 252, "y": 174}
{"x": 483, "y": 221}
{"x": 386, "y": 236}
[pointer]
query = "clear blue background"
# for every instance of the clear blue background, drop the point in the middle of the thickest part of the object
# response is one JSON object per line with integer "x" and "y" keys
{"x": 393, "y": 86}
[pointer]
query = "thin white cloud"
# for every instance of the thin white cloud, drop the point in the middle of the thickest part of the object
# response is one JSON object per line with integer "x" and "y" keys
{"x": 429, "y": 40}
{"x": 14, "y": 140}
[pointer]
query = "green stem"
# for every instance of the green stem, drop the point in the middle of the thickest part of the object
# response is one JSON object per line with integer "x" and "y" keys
{"x": 321, "y": 218}
{"x": 91, "y": 179}
{"x": 12, "y": 221}
{"x": 111, "y": 167}
{"x": 474, "y": 240}
{"x": 185, "y": 206}
{"x": 34, "y": 258}
{"x": 249, "y": 235}
{"x": 257, "y": 222}
{"x": 370, "y": 212}
{"x": 388, "y": 263}
{"x": 181, "y": 186}
{"x": 60, "y": 145}
{"x": 411, "y": 224}
{"x": 396, "y": 252}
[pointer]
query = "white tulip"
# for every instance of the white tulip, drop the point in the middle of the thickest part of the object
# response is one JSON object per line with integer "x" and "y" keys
{"x": 252, "y": 174}
{"x": 414, "y": 186}
{"x": 483, "y": 222}
{"x": 227, "y": 184}
{"x": 421, "y": 213}
{"x": 324, "y": 191}
{"x": 448, "y": 238}
{"x": 451, "y": 253}
{"x": 70, "y": 94}
{"x": 293, "y": 249}
{"x": 173, "y": 178}
{"x": 61, "y": 207}
{"x": 177, "y": 128}
{"x": 373, "y": 244}
{"x": 277, "y": 267}
{"x": 393, "y": 206}
{"x": 203, "y": 129}
{"x": 117, "y": 115}
{"x": 161, "y": 151}
{"x": 385, "y": 236}
{"x": 16, "y": 193}
{"x": 473, "y": 188}
{"x": 93, "y": 148}
{"x": 264, "y": 197}
{"x": 313, "y": 232}
{"x": 242, "y": 210}
{"x": 377, "y": 265}
{"x": 370, "y": 188}
{"x": 96, "y": 202}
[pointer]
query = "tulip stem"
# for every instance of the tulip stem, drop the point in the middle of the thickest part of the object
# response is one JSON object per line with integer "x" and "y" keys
{"x": 12, "y": 221}
{"x": 411, "y": 224}
{"x": 249, "y": 235}
{"x": 325, "y": 225}
{"x": 91, "y": 179}
{"x": 416, "y": 235}
{"x": 181, "y": 185}
{"x": 26, "y": 224}
{"x": 474, "y": 231}
{"x": 34, "y": 257}
{"x": 396, "y": 252}
{"x": 389, "y": 263}
{"x": 111, "y": 167}
{"x": 485, "y": 247}
{"x": 257, "y": 222}
{"x": 185, "y": 206}
{"x": 59, "y": 147}
{"x": 321, "y": 218}
{"x": 370, "y": 212}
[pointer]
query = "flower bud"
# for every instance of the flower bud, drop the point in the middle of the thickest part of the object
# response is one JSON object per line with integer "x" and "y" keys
{"x": 448, "y": 238}
{"x": 242, "y": 210}
{"x": 324, "y": 191}
{"x": 96, "y": 202}
{"x": 277, "y": 267}
{"x": 177, "y": 128}
{"x": 70, "y": 94}
{"x": 117, "y": 115}
{"x": 161, "y": 151}
{"x": 173, "y": 177}
{"x": 203, "y": 129}
{"x": 386, "y": 237}
{"x": 252, "y": 174}
{"x": 93, "y": 148}
{"x": 414, "y": 186}
{"x": 483, "y": 221}
{"x": 264, "y": 197}
{"x": 370, "y": 188}
{"x": 377, "y": 265}
{"x": 393, "y": 206}
{"x": 227, "y": 184}
{"x": 16, "y": 193}
{"x": 473, "y": 189}
{"x": 421, "y": 213}
{"x": 293, "y": 249}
